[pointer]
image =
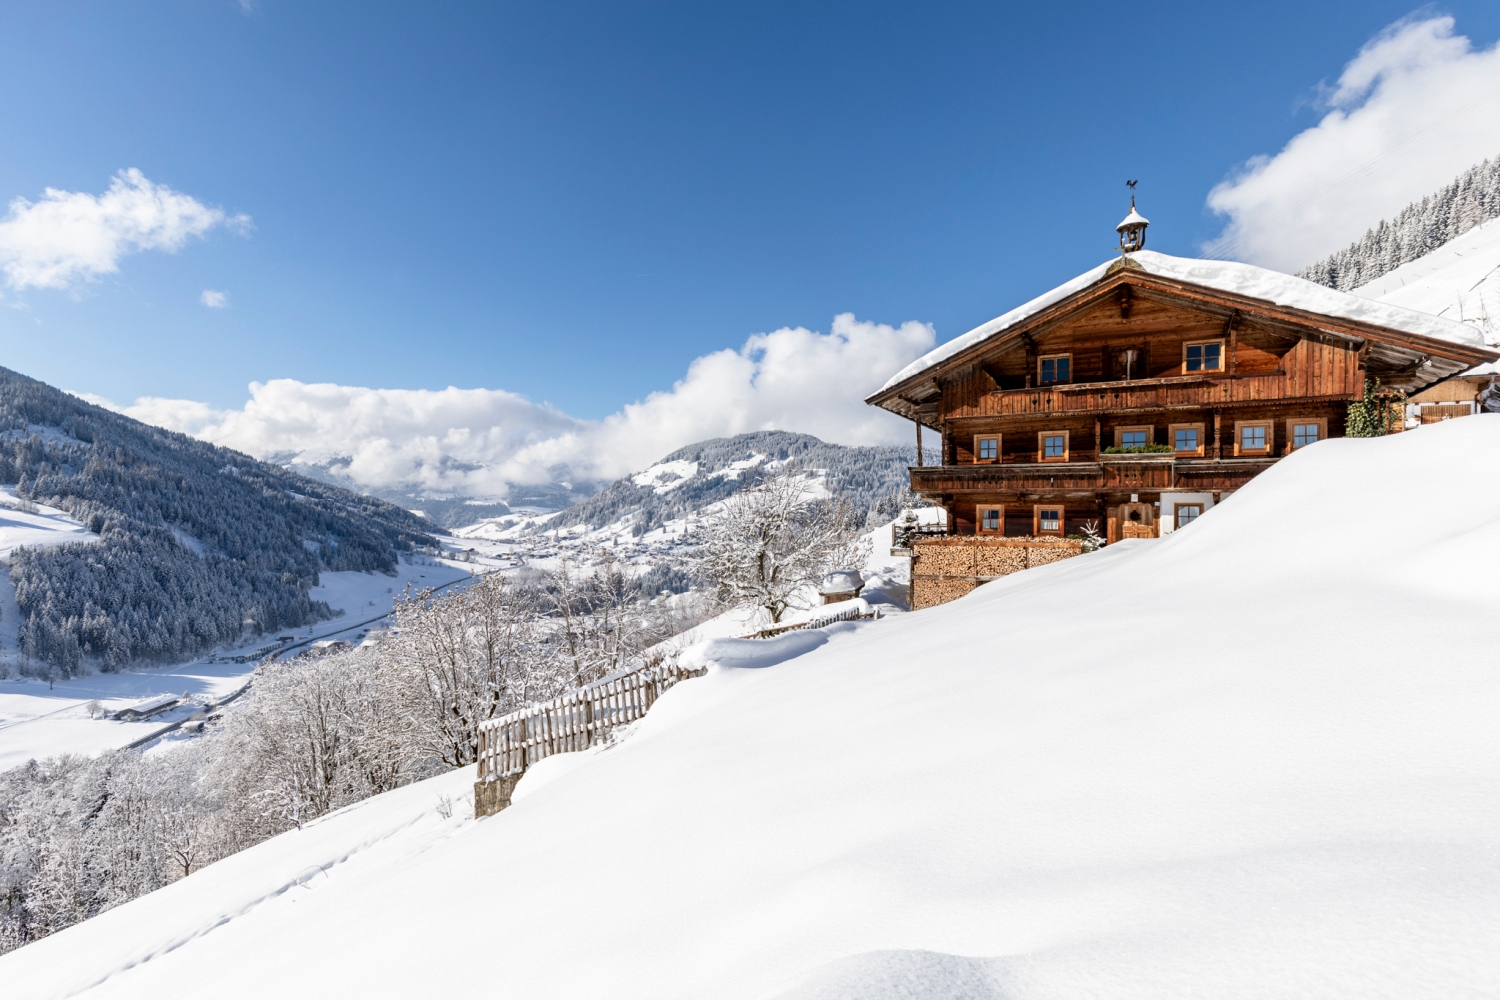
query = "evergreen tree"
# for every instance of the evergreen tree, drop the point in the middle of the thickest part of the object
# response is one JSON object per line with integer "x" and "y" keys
{"x": 1417, "y": 230}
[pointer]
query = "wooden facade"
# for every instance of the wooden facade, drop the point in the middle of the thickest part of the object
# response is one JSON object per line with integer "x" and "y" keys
{"x": 1137, "y": 402}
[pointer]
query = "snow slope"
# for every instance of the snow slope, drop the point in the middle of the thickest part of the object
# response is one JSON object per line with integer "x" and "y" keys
{"x": 1459, "y": 280}
{"x": 1255, "y": 759}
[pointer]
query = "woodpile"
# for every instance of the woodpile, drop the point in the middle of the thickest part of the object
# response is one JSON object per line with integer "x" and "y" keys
{"x": 945, "y": 569}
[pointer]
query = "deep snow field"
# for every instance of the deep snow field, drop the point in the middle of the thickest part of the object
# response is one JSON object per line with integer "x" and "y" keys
{"x": 42, "y": 720}
{"x": 1258, "y": 758}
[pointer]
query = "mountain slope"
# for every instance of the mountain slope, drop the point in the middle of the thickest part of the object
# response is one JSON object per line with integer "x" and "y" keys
{"x": 701, "y": 474}
{"x": 1459, "y": 280}
{"x": 1254, "y": 759}
{"x": 1414, "y": 232}
{"x": 196, "y": 543}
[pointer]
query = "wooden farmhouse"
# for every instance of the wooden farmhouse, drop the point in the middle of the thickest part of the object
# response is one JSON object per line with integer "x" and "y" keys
{"x": 1136, "y": 396}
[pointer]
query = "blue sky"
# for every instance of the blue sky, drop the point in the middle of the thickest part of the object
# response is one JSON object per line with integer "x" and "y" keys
{"x": 574, "y": 201}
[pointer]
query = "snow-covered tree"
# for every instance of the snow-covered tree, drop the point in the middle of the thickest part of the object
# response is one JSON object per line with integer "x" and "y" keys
{"x": 765, "y": 546}
{"x": 1418, "y": 229}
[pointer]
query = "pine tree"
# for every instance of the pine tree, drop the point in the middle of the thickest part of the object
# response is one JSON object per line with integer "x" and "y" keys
{"x": 1417, "y": 230}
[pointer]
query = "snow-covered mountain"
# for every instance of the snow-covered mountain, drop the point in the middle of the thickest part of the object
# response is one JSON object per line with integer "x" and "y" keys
{"x": 646, "y": 519}
{"x": 189, "y": 545}
{"x": 1039, "y": 790}
{"x": 1472, "y": 199}
{"x": 1459, "y": 280}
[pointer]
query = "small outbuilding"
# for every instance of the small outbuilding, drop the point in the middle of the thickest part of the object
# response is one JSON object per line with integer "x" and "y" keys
{"x": 841, "y": 585}
{"x": 146, "y": 709}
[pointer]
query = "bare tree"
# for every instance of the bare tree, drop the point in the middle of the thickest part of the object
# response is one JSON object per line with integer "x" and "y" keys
{"x": 764, "y": 546}
{"x": 465, "y": 657}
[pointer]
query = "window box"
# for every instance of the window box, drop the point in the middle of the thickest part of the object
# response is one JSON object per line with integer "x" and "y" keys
{"x": 1052, "y": 446}
{"x": 1254, "y": 437}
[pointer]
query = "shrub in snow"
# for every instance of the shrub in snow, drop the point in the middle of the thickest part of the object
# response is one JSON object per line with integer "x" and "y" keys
{"x": 1377, "y": 413}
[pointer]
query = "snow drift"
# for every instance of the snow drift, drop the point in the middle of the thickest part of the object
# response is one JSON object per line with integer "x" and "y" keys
{"x": 1257, "y": 758}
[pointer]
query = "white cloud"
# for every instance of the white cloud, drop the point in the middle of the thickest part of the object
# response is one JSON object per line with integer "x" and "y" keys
{"x": 70, "y": 236}
{"x": 1416, "y": 107}
{"x": 477, "y": 441}
{"x": 213, "y": 299}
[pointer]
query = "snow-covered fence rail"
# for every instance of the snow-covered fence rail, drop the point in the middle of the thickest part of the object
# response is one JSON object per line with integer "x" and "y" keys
{"x": 855, "y": 613}
{"x": 574, "y": 720}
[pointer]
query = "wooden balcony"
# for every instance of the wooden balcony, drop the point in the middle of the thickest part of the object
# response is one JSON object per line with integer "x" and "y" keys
{"x": 1135, "y": 473}
{"x": 1307, "y": 374}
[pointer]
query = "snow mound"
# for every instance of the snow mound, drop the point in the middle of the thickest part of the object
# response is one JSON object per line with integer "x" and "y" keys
{"x": 1257, "y": 758}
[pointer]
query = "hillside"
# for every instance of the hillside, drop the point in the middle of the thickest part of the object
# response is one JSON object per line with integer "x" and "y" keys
{"x": 1459, "y": 280}
{"x": 1254, "y": 759}
{"x": 1420, "y": 228}
{"x": 195, "y": 545}
{"x": 701, "y": 474}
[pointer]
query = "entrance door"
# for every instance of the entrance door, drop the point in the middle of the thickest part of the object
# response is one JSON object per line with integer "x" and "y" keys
{"x": 1133, "y": 520}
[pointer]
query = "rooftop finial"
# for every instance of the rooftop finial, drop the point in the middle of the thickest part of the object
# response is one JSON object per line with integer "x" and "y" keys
{"x": 1132, "y": 229}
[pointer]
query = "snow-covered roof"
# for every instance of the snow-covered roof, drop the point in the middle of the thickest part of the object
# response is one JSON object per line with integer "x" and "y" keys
{"x": 1133, "y": 219}
{"x": 842, "y": 581}
{"x": 1225, "y": 276}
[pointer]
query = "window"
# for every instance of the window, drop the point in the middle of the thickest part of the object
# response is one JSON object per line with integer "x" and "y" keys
{"x": 1303, "y": 431}
{"x": 1055, "y": 368}
{"x": 1187, "y": 513}
{"x": 987, "y": 449}
{"x": 1207, "y": 356}
{"x": 1253, "y": 437}
{"x": 991, "y": 520}
{"x": 1134, "y": 437}
{"x": 1187, "y": 439}
{"x": 1049, "y": 520}
{"x": 1052, "y": 446}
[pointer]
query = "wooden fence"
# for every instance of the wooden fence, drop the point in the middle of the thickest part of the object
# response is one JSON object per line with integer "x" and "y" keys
{"x": 575, "y": 720}
{"x": 848, "y": 615}
{"x": 578, "y": 719}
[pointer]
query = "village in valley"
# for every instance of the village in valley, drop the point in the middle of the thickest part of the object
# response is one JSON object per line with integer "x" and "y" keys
{"x": 1134, "y": 643}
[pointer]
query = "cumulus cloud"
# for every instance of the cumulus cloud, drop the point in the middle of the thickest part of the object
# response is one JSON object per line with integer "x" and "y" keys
{"x": 213, "y": 299}
{"x": 478, "y": 441}
{"x": 1415, "y": 107}
{"x": 70, "y": 237}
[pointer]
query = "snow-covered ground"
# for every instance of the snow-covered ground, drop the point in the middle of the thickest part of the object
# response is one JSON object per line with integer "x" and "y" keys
{"x": 1459, "y": 280}
{"x": 38, "y": 719}
{"x": 1255, "y": 759}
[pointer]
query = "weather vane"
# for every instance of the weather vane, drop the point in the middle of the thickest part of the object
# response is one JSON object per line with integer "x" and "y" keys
{"x": 1133, "y": 229}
